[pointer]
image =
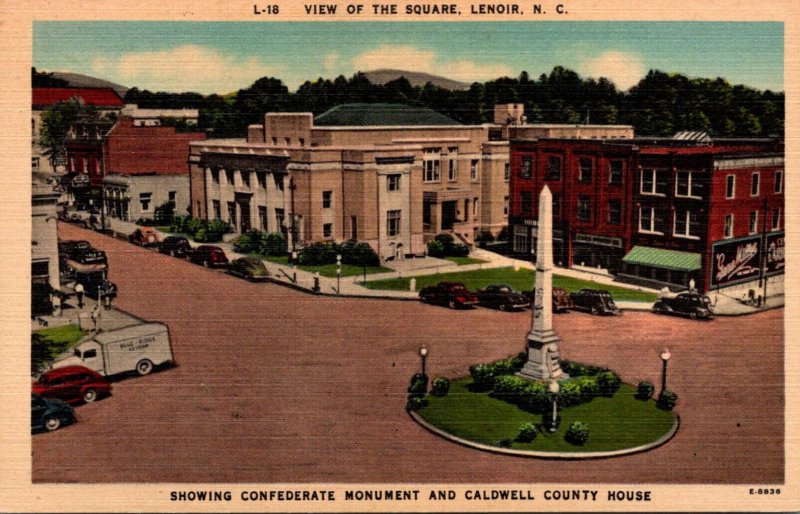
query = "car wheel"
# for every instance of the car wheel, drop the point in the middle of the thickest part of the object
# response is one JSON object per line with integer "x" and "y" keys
{"x": 503, "y": 307}
{"x": 451, "y": 304}
{"x": 658, "y": 308}
{"x": 205, "y": 263}
{"x": 172, "y": 253}
{"x": 693, "y": 315}
{"x": 52, "y": 423}
{"x": 89, "y": 395}
{"x": 144, "y": 367}
{"x": 595, "y": 310}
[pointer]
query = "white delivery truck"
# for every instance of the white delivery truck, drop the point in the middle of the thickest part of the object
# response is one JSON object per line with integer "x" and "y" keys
{"x": 138, "y": 347}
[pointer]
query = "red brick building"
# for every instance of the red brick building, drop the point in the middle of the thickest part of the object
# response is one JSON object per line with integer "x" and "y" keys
{"x": 659, "y": 212}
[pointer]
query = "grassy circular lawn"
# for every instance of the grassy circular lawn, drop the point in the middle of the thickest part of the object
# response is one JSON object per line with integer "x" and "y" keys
{"x": 614, "y": 423}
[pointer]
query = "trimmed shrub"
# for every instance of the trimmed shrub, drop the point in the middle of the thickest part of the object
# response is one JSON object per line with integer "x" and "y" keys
{"x": 569, "y": 394}
{"x": 216, "y": 229}
{"x": 359, "y": 254}
{"x": 440, "y": 386}
{"x": 444, "y": 245}
{"x": 510, "y": 388}
{"x": 416, "y": 403}
{"x": 482, "y": 376}
{"x": 587, "y": 388}
{"x": 418, "y": 387}
{"x": 164, "y": 214}
{"x": 273, "y": 244}
{"x": 249, "y": 242}
{"x": 537, "y": 398}
{"x": 608, "y": 383}
{"x": 527, "y": 433}
{"x": 577, "y": 433}
{"x": 506, "y": 442}
{"x": 645, "y": 390}
{"x": 200, "y": 230}
{"x": 666, "y": 400}
{"x": 576, "y": 369}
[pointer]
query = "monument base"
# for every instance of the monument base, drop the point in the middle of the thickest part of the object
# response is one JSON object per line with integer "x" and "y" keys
{"x": 543, "y": 357}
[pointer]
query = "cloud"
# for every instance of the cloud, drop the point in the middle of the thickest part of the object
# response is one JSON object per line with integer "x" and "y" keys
{"x": 184, "y": 68}
{"x": 406, "y": 57}
{"x": 330, "y": 61}
{"x": 624, "y": 69}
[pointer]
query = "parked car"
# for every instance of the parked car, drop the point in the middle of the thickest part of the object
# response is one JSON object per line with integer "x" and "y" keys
{"x": 144, "y": 236}
{"x": 81, "y": 252}
{"x": 561, "y": 299}
{"x": 94, "y": 282}
{"x": 208, "y": 256}
{"x": 694, "y": 305}
{"x": 596, "y": 301}
{"x": 249, "y": 268}
{"x": 176, "y": 246}
{"x": 501, "y": 296}
{"x": 50, "y": 414}
{"x": 452, "y": 294}
{"x": 135, "y": 348}
{"x": 72, "y": 384}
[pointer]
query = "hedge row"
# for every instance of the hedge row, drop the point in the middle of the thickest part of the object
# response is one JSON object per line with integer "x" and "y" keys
{"x": 483, "y": 375}
{"x": 256, "y": 241}
{"x": 201, "y": 231}
{"x": 352, "y": 252}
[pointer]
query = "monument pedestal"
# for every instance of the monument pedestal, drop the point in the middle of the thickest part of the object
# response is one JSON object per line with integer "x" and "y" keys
{"x": 543, "y": 357}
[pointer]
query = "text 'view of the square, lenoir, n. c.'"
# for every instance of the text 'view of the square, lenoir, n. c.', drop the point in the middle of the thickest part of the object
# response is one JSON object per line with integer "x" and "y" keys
{"x": 388, "y": 253}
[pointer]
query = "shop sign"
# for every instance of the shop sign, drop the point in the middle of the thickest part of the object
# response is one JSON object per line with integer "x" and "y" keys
{"x": 735, "y": 261}
{"x": 776, "y": 256}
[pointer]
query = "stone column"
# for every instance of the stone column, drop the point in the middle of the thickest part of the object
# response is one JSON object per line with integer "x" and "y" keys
{"x": 542, "y": 343}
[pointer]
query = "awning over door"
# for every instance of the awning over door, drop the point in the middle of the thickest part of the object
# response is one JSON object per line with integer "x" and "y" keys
{"x": 664, "y": 259}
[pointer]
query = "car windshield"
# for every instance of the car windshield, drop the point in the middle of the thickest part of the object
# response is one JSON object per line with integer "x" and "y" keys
{"x": 458, "y": 287}
{"x": 77, "y": 353}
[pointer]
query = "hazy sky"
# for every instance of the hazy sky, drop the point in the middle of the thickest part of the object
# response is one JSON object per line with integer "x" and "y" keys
{"x": 227, "y": 56}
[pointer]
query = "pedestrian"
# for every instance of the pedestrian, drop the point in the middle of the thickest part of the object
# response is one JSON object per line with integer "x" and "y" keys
{"x": 95, "y": 316}
{"x": 79, "y": 292}
{"x": 106, "y": 297}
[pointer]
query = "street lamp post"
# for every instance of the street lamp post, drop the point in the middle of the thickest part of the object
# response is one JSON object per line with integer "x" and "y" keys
{"x": 423, "y": 354}
{"x": 294, "y": 267}
{"x": 665, "y": 355}
{"x": 554, "y": 388}
{"x": 338, "y": 274}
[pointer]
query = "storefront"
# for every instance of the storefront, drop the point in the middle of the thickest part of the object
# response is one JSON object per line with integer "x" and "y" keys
{"x": 658, "y": 268}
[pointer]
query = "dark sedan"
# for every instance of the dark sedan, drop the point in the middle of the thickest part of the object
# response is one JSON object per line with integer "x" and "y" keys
{"x": 501, "y": 296}
{"x": 596, "y": 301}
{"x": 50, "y": 415}
{"x": 176, "y": 246}
{"x": 249, "y": 268}
{"x": 453, "y": 294}
{"x": 694, "y": 305}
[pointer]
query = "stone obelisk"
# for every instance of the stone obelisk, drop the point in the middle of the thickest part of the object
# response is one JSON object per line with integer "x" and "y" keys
{"x": 542, "y": 345}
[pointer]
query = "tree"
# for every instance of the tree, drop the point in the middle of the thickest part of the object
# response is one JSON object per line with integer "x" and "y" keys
{"x": 42, "y": 79}
{"x": 57, "y": 120}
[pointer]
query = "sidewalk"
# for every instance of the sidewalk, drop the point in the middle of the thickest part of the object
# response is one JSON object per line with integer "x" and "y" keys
{"x": 108, "y": 319}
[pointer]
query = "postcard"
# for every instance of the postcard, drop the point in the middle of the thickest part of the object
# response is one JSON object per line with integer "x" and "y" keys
{"x": 401, "y": 256}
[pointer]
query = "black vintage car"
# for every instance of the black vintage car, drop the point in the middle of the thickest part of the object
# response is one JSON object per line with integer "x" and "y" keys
{"x": 95, "y": 284}
{"x": 81, "y": 252}
{"x": 501, "y": 296}
{"x": 694, "y": 305}
{"x": 176, "y": 246}
{"x": 49, "y": 414}
{"x": 249, "y": 268}
{"x": 596, "y": 301}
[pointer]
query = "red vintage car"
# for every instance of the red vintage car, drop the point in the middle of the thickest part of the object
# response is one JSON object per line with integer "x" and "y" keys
{"x": 452, "y": 294}
{"x": 72, "y": 384}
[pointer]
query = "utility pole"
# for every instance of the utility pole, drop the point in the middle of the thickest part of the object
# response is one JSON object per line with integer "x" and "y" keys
{"x": 292, "y": 187}
{"x": 763, "y": 259}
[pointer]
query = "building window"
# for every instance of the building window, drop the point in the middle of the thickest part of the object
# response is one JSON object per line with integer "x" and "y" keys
{"x": 526, "y": 202}
{"x": 86, "y": 165}
{"x": 505, "y": 207}
{"x": 288, "y": 141}
{"x": 232, "y": 213}
{"x": 431, "y": 162}
{"x": 145, "y": 199}
{"x": 261, "y": 179}
{"x": 553, "y": 168}
{"x": 615, "y": 173}
{"x": 172, "y": 198}
{"x": 778, "y": 181}
{"x": 216, "y": 208}
{"x": 327, "y": 197}
{"x": 506, "y": 172}
{"x": 262, "y": 218}
{"x": 35, "y": 163}
{"x": 776, "y": 219}
{"x": 728, "y": 226}
{"x": 327, "y": 230}
{"x": 280, "y": 217}
{"x": 653, "y": 182}
{"x": 245, "y": 178}
{"x": 302, "y": 141}
{"x": 229, "y": 177}
{"x": 753, "y": 222}
{"x": 214, "y": 176}
{"x": 475, "y": 203}
{"x": 754, "y": 184}
{"x": 650, "y": 220}
{"x": 730, "y": 187}
{"x": 393, "y": 182}
{"x": 473, "y": 170}
{"x": 556, "y": 205}
{"x": 393, "y": 223}
{"x": 584, "y": 208}
{"x": 452, "y": 164}
{"x": 274, "y": 140}
{"x": 527, "y": 167}
{"x": 686, "y": 185}
{"x": 278, "y": 179}
{"x": 686, "y": 225}
{"x": 585, "y": 170}
{"x": 614, "y": 212}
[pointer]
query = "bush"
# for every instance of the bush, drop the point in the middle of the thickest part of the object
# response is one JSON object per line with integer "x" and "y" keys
{"x": 146, "y": 222}
{"x": 418, "y": 386}
{"x": 577, "y": 433}
{"x": 482, "y": 376}
{"x": 537, "y": 398}
{"x": 503, "y": 235}
{"x": 273, "y": 244}
{"x": 444, "y": 245}
{"x": 576, "y": 369}
{"x": 510, "y": 388}
{"x": 415, "y": 403}
{"x": 645, "y": 390}
{"x": 506, "y": 442}
{"x": 200, "y": 230}
{"x": 666, "y": 400}
{"x": 165, "y": 213}
{"x": 216, "y": 229}
{"x": 484, "y": 237}
{"x": 569, "y": 394}
{"x": 527, "y": 433}
{"x": 359, "y": 254}
{"x": 608, "y": 383}
{"x": 249, "y": 242}
{"x": 440, "y": 386}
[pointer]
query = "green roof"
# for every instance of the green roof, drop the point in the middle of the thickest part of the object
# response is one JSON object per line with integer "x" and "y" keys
{"x": 665, "y": 259}
{"x": 366, "y": 115}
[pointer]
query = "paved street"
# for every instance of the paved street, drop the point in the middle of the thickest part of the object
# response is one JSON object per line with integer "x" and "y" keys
{"x": 274, "y": 385}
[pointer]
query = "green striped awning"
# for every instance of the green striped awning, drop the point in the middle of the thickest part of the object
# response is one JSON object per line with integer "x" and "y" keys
{"x": 665, "y": 259}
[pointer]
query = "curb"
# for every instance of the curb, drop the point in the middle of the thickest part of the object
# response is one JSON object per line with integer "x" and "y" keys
{"x": 549, "y": 455}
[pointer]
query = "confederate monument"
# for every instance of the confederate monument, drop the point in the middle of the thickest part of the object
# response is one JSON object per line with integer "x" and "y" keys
{"x": 542, "y": 340}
